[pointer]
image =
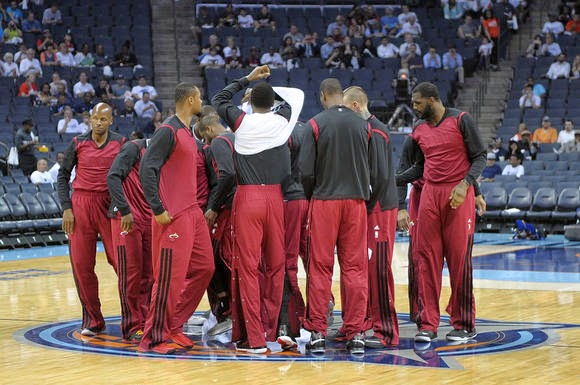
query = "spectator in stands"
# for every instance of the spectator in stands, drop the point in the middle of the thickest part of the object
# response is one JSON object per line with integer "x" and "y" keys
{"x": 48, "y": 57}
{"x": 412, "y": 26}
{"x": 212, "y": 60}
{"x": 538, "y": 88}
{"x": 228, "y": 17}
{"x": 373, "y": 30}
{"x": 51, "y": 16}
{"x": 84, "y": 103}
{"x": 485, "y": 49}
{"x": 14, "y": 13}
{"x": 404, "y": 47}
{"x": 235, "y": 60}
{"x": 56, "y": 80}
{"x": 62, "y": 101}
{"x": 567, "y": 135}
{"x": 335, "y": 60}
{"x": 339, "y": 23}
{"x": 352, "y": 57}
{"x": 68, "y": 124}
{"x": 553, "y": 25}
{"x": 145, "y": 108}
{"x": 264, "y": 19}
{"x": 491, "y": 30}
{"x": 154, "y": 124}
{"x": 295, "y": 34}
{"x": 120, "y": 89}
{"x": 44, "y": 97}
{"x": 64, "y": 56}
{"x": 142, "y": 87}
{"x": 13, "y": 34}
{"x": 230, "y": 44}
{"x": 83, "y": 87}
{"x": 9, "y": 68}
{"x": 272, "y": 58}
{"x": 253, "y": 59}
{"x": 506, "y": 13}
{"x": 491, "y": 169}
{"x": 573, "y": 26}
{"x": 308, "y": 47}
{"x": 368, "y": 48}
{"x": 387, "y": 49}
{"x": 20, "y": 54}
{"x": 534, "y": 49}
{"x": 28, "y": 88}
{"x": 338, "y": 36}
{"x": 56, "y": 166}
{"x": 125, "y": 58}
{"x": 406, "y": 15}
{"x": 41, "y": 175}
{"x": 356, "y": 28}
{"x": 522, "y": 128}
{"x": 213, "y": 42}
{"x": 101, "y": 59}
{"x": 550, "y": 47}
{"x": 45, "y": 41}
{"x": 327, "y": 48}
{"x": 31, "y": 25}
{"x": 68, "y": 41}
{"x": 129, "y": 109}
{"x": 573, "y": 146}
{"x": 84, "y": 58}
{"x": 286, "y": 48}
{"x": 576, "y": 67}
{"x": 496, "y": 148}
{"x": 452, "y": 10}
{"x": 245, "y": 20}
{"x": 560, "y": 69}
{"x": 30, "y": 64}
{"x": 104, "y": 91}
{"x": 432, "y": 59}
{"x": 203, "y": 20}
{"x": 390, "y": 23}
{"x": 26, "y": 142}
{"x": 546, "y": 133}
{"x": 452, "y": 60}
{"x": 529, "y": 99}
{"x": 469, "y": 29}
{"x": 85, "y": 125}
{"x": 413, "y": 60}
{"x": 514, "y": 167}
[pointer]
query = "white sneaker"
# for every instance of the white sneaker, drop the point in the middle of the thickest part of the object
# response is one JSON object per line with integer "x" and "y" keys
{"x": 287, "y": 343}
{"x": 88, "y": 332}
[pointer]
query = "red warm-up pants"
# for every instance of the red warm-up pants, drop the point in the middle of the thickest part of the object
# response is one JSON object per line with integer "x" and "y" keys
{"x": 342, "y": 223}
{"x": 296, "y": 237}
{"x": 381, "y": 228}
{"x": 413, "y": 269}
{"x": 445, "y": 233}
{"x": 90, "y": 210}
{"x": 218, "y": 291}
{"x": 182, "y": 268}
{"x": 258, "y": 223}
{"x": 133, "y": 250}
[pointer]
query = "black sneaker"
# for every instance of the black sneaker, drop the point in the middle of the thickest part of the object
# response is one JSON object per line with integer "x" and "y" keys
{"x": 425, "y": 336}
{"x": 375, "y": 342}
{"x": 356, "y": 345}
{"x": 244, "y": 346}
{"x": 317, "y": 343}
{"x": 461, "y": 335}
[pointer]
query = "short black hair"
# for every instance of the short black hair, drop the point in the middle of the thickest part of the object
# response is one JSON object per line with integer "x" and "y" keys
{"x": 331, "y": 86}
{"x": 427, "y": 90}
{"x": 28, "y": 122}
{"x": 185, "y": 90}
{"x": 138, "y": 134}
{"x": 262, "y": 95}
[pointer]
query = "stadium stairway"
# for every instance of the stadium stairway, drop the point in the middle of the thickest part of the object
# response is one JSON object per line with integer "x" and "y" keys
{"x": 188, "y": 72}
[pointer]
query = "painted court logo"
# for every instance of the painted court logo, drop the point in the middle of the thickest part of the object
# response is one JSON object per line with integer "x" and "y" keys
{"x": 493, "y": 337}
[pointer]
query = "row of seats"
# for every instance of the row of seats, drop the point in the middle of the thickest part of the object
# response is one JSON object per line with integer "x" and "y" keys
{"x": 533, "y": 185}
{"x": 25, "y": 187}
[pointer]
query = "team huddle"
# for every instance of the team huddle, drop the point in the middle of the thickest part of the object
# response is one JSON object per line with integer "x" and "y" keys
{"x": 231, "y": 211}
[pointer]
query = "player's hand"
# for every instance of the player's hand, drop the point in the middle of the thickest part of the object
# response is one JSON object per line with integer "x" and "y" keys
{"x": 164, "y": 218}
{"x": 403, "y": 220}
{"x": 127, "y": 222}
{"x": 68, "y": 221}
{"x": 210, "y": 217}
{"x": 260, "y": 72}
{"x": 480, "y": 204}
{"x": 458, "y": 194}
{"x": 247, "y": 94}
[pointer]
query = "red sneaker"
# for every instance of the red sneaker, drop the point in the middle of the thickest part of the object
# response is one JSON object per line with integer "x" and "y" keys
{"x": 181, "y": 339}
{"x": 162, "y": 348}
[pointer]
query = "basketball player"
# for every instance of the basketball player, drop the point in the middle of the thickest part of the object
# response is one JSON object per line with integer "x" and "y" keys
{"x": 218, "y": 217}
{"x": 131, "y": 231}
{"x": 262, "y": 164}
{"x": 381, "y": 226}
{"x": 334, "y": 161}
{"x": 453, "y": 159}
{"x": 182, "y": 255}
{"x": 85, "y": 213}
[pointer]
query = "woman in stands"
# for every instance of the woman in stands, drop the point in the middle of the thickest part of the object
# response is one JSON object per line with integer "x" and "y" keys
{"x": 44, "y": 97}
{"x": 369, "y": 49}
{"x": 491, "y": 29}
{"x": 9, "y": 68}
{"x": 48, "y": 57}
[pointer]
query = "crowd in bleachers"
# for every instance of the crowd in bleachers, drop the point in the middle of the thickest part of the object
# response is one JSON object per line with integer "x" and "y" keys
{"x": 365, "y": 45}
{"x": 543, "y": 150}
{"x": 57, "y": 60}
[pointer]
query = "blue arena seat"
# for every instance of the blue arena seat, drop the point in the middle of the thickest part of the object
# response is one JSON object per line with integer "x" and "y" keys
{"x": 568, "y": 203}
{"x": 542, "y": 206}
{"x": 17, "y": 210}
{"x": 520, "y": 198}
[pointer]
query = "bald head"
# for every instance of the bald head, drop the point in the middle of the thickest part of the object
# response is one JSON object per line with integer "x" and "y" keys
{"x": 101, "y": 118}
{"x": 102, "y": 108}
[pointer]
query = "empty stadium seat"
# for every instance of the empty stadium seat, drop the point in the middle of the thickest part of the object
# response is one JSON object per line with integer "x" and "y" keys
{"x": 17, "y": 210}
{"x": 520, "y": 198}
{"x": 496, "y": 199}
{"x": 50, "y": 208}
{"x": 543, "y": 205}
